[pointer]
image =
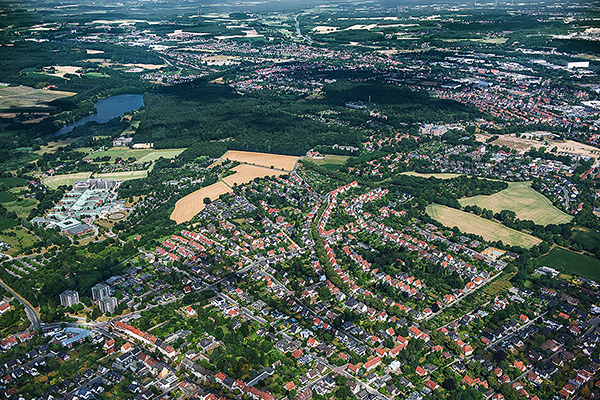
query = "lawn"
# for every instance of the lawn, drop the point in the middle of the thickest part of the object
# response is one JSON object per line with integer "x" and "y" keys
{"x": 54, "y": 182}
{"x": 489, "y": 230}
{"x": 571, "y": 263}
{"x": 588, "y": 239}
{"x": 524, "y": 201}
{"x": 21, "y": 240}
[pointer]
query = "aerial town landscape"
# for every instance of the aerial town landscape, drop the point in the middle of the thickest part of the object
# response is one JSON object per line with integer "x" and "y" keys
{"x": 392, "y": 199}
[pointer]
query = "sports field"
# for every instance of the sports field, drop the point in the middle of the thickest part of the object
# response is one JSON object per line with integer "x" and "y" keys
{"x": 123, "y": 176}
{"x": 489, "y": 230}
{"x": 13, "y": 98}
{"x": 433, "y": 175}
{"x": 187, "y": 207}
{"x": 245, "y": 173}
{"x": 266, "y": 160}
{"x": 571, "y": 263}
{"x": 524, "y": 201}
{"x": 54, "y": 182}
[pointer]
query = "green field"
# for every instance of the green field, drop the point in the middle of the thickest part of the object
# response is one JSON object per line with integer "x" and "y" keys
{"x": 331, "y": 162}
{"x": 141, "y": 155}
{"x": 121, "y": 152}
{"x": 489, "y": 230}
{"x": 524, "y": 201}
{"x": 588, "y": 239}
{"x": 165, "y": 153}
{"x": 54, "y": 182}
{"x": 6, "y": 197}
{"x": 433, "y": 175}
{"x": 123, "y": 176}
{"x": 571, "y": 263}
{"x": 13, "y": 182}
{"x": 6, "y": 223}
{"x": 18, "y": 98}
{"x": 22, "y": 207}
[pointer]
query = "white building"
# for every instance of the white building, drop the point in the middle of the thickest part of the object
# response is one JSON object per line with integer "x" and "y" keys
{"x": 108, "y": 305}
{"x": 68, "y": 298}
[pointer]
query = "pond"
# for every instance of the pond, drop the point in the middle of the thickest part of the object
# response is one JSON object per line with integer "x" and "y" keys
{"x": 107, "y": 109}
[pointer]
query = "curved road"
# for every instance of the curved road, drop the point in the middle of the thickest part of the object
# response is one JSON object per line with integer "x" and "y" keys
{"x": 29, "y": 310}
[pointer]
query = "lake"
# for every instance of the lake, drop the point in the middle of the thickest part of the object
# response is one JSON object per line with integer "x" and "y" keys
{"x": 107, "y": 109}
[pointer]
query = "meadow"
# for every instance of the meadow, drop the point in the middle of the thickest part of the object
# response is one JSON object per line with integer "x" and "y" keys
{"x": 123, "y": 176}
{"x": 13, "y": 98}
{"x": 53, "y": 182}
{"x": 489, "y": 230}
{"x": 527, "y": 203}
{"x": 571, "y": 263}
{"x": 432, "y": 175}
{"x": 331, "y": 161}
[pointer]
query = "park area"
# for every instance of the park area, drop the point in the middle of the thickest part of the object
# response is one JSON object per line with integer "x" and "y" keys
{"x": 524, "y": 201}
{"x": 276, "y": 161}
{"x": 489, "y": 230}
{"x": 17, "y": 98}
{"x": 571, "y": 263}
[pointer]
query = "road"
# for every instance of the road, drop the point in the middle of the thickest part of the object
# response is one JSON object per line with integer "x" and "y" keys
{"x": 31, "y": 312}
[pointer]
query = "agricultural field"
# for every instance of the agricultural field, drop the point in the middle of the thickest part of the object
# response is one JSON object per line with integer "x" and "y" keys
{"x": 245, "y": 173}
{"x": 15, "y": 98}
{"x": 123, "y": 176}
{"x": 433, "y": 175}
{"x": 489, "y": 230}
{"x": 156, "y": 154}
{"x": 6, "y": 223}
{"x": 6, "y": 197}
{"x": 187, "y": 207}
{"x": 331, "y": 161}
{"x": 54, "y": 182}
{"x": 527, "y": 203}
{"x": 277, "y": 161}
{"x": 120, "y": 152}
{"x": 588, "y": 239}
{"x": 13, "y": 182}
{"x": 571, "y": 263}
{"x": 527, "y": 141}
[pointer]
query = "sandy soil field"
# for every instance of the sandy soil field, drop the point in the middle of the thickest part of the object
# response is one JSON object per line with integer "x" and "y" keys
{"x": 245, "y": 173}
{"x": 285, "y": 163}
{"x": 187, "y": 207}
{"x": 526, "y": 142}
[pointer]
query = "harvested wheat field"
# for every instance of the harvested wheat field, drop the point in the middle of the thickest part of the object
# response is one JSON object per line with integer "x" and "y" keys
{"x": 244, "y": 173}
{"x": 489, "y": 230}
{"x": 187, "y": 207}
{"x": 277, "y": 161}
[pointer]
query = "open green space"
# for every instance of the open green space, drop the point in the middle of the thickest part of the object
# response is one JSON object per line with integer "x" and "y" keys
{"x": 571, "y": 263}
{"x": 120, "y": 152}
{"x": 6, "y": 197}
{"x": 489, "y": 230}
{"x": 432, "y": 175}
{"x": 123, "y": 176}
{"x": 527, "y": 203}
{"x": 496, "y": 286}
{"x": 22, "y": 206}
{"x": 156, "y": 154}
{"x": 6, "y": 223}
{"x": 588, "y": 239}
{"x": 13, "y": 181}
{"x": 54, "y": 182}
